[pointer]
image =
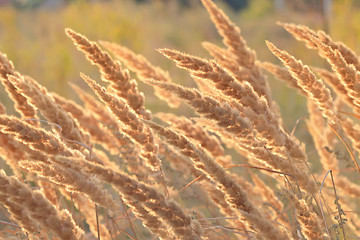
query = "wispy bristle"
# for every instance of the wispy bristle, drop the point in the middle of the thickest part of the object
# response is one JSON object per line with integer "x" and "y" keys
{"x": 315, "y": 88}
{"x": 143, "y": 68}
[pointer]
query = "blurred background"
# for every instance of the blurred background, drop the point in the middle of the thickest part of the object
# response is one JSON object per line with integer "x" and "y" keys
{"x": 32, "y": 35}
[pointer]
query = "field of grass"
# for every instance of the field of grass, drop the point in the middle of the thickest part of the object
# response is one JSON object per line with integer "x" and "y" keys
{"x": 153, "y": 121}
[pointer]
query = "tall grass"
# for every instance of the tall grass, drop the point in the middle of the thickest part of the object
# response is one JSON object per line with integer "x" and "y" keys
{"x": 110, "y": 168}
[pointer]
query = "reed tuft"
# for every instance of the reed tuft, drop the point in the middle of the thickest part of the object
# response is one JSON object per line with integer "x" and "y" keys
{"x": 109, "y": 168}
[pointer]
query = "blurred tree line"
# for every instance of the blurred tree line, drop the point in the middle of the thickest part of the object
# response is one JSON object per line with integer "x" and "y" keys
{"x": 234, "y": 4}
{"x": 29, "y": 4}
{"x": 304, "y": 5}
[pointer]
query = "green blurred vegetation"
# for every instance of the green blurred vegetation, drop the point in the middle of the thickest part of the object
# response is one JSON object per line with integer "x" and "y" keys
{"x": 35, "y": 41}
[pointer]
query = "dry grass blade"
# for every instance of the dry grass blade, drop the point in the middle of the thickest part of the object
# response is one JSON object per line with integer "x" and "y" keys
{"x": 314, "y": 88}
{"x": 49, "y": 109}
{"x": 342, "y": 60}
{"x": 193, "y": 181}
{"x": 168, "y": 211}
{"x": 234, "y": 194}
{"x": 35, "y": 138}
{"x": 245, "y": 100}
{"x": 74, "y": 181}
{"x": 143, "y": 68}
{"x": 232, "y": 122}
{"x": 194, "y": 131}
{"x": 134, "y": 127}
{"x": 350, "y": 114}
{"x": 111, "y": 71}
{"x": 282, "y": 74}
{"x": 40, "y": 209}
{"x": 21, "y": 104}
{"x": 232, "y": 169}
{"x": 231, "y": 34}
{"x": 260, "y": 168}
{"x": 88, "y": 123}
{"x": 210, "y": 108}
{"x": 243, "y": 56}
{"x": 303, "y": 33}
{"x": 309, "y": 221}
{"x": 347, "y": 148}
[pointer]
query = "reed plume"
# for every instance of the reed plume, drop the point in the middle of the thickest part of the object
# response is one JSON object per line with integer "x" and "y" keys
{"x": 39, "y": 209}
{"x": 234, "y": 195}
{"x": 315, "y": 88}
{"x": 194, "y": 131}
{"x": 244, "y": 57}
{"x": 104, "y": 161}
{"x": 342, "y": 60}
{"x": 73, "y": 180}
{"x": 170, "y": 212}
{"x": 144, "y": 69}
{"x": 231, "y": 121}
{"x": 21, "y": 104}
{"x": 134, "y": 128}
{"x": 88, "y": 123}
{"x": 249, "y": 102}
{"x": 35, "y": 138}
{"x": 282, "y": 74}
{"x": 96, "y": 108}
{"x": 111, "y": 72}
{"x": 49, "y": 109}
{"x": 302, "y": 33}
{"x": 309, "y": 221}
{"x": 231, "y": 35}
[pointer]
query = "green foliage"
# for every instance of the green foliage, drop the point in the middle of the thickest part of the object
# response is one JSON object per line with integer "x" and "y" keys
{"x": 259, "y": 8}
{"x": 346, "y": 13}
{"x": 37, "y": 36}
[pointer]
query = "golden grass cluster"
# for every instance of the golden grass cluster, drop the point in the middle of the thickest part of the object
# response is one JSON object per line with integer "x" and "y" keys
{"x": 112, "y": 169}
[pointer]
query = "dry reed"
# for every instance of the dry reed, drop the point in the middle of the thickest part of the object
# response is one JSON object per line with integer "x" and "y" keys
{"x": 315, "y": 88}
{"x": 168, "y": 211}
{"x": 108, "y": 149}
{"x": 20, "y": 102}
{"x": 39, "y": 209}
{"x": 111, "y": 71}
{"x": 143, "y": 68}
{"x": 234, "y": 195}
